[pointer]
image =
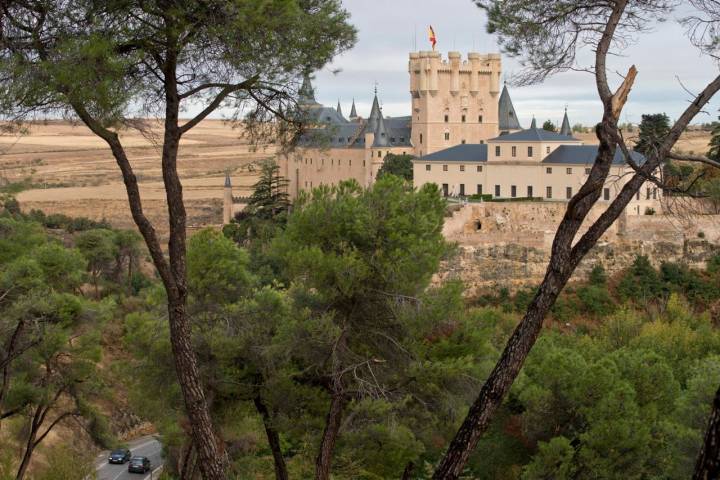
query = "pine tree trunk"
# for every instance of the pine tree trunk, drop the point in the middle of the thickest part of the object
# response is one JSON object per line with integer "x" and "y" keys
{"x": 273, "y": 437}
{"x": 323, "y": 462}
{"x": 30, "y": 444}
{"x": 708, "y": 462}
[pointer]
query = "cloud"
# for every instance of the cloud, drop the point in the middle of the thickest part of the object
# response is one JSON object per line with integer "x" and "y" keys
{"x": 388, "y": 31}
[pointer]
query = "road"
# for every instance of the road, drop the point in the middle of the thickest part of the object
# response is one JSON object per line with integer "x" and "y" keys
{"x": 146, "y": 446}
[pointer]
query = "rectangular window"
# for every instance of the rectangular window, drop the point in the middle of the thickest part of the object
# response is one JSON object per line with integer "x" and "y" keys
{"x": 462, "y": 189}
{"x": 513, "y": 191}
{"x": 447, "y": 118}
{"x": 530, "y": 152}
{"x": 497, "y": 150}
{"x": 444, "y": 168}
{"x": 587, "y": 171}
{"x": 568, "y": 171}
{"x": 462, "y": 141}
{"x": 379, "y": 154}
{"x": 479, "y": 118}
{"x": 479, "y": 189}
{"x": 606, "y": 194}
{"x": 447, "y": 135}
{"x": 637, "y": 195}
{"x": 547, "y": 149}
{"x": 548, "y": 192}
{"x": 497, "y": 190}
{"x": 427, "y": 167}
{"x": 463, "y": 119}
{"x": 654, "y": 193}
{"x": 548, "y": 170}
{"x": 479, "y": 168}
{"x": 529, "y": 191}
{"x": 647, "y": 194}
{"x": 446, "y": 189}
{"x": 514, "y": 151}
{"x": 568, "y": 192}
{"x": 421, "y": 138}
{"x": 462, "y": 168}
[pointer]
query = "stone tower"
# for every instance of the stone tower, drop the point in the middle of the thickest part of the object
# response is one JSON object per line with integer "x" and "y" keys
{"x": 227, "y": 200}
{"x": 453, "y": 101}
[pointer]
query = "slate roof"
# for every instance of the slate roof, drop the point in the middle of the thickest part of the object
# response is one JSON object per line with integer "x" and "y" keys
{"x": 585, "y": 155}
{"x": 534, "y": 135}
{"x": 565, "y": 129}
{"x": 465, "y": 152}
{"x": 507, "y": 116}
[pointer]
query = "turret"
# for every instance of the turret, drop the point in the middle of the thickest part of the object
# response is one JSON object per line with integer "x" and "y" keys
{"x": 507, "y": 117}
{"x": 227, "y": 200}
{"x": 533, "y": 125}
{"x": 339, "y": 110}
{"x": 566, "y": 129}
{"x": 382, "y": 136}
{"x": 353, "y": 112}
{"x": 306, "y": 94}
{"x": 375, "y": 115}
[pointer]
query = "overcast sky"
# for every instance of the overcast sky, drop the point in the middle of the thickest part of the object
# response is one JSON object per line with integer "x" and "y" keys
{"x": 386, "y": 36}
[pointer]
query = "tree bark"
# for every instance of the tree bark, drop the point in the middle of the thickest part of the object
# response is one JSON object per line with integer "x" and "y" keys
{"x": 273, "y": 437}
{"x": 30, "y": 444}
{"x": 708, "y": 462}
{"x": 323, "y": 462}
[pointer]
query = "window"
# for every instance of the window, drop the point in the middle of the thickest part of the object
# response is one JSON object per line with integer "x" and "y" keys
{"x": 479, "y": 168}
{"x": 392, "y": 139}
{"x": 568, "y": 171}
{"x": 379, "y": 154}
{"x": 647, "y": 195}
{"x": 513, "y": 191}
{"x": 637, "y": 195}
{"x": 514, "y": 151}
{"x": 548, "y": 170}
{"x": 421, "y": 138}
{"x": 462, "y": 119}
{"x": 529, "y": 191}
{"x": 497, "y": 150}
{"x": 445, "y": 189}
{"x": 547, "y": 149}
{"x": 332, "y": 162}
{"x": 497, "y": 190}
{"x": 479, "y": 189}
{"x": 548, "y": 192}
{"x": 444, "y": 168}
{"x": 479, "y": 118}
{"x": 462, "y": 168}
{"x": 447, "y": 118}
{"x": 606, "y": 194}
{"x": 462, "y": 141}
{"x": 427, "y": 167}
{"x": 568, "y": 192}
{"x": 363, "y": 163}
{"x": 462, "y": 189}
{"x": 654, "y": 193}
{"x": 350, "y": 163}
{"x": 587, "y": 171}
{"x": 530, "y": 152}
{"x": 447, "y": 135}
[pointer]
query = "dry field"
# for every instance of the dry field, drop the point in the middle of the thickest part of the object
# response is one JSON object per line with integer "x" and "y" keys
{"x": 71, "y": 171}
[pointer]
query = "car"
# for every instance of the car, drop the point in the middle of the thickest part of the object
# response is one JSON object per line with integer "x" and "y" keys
{"x": 120, "y": 455}
{"x": 139, "y": 465}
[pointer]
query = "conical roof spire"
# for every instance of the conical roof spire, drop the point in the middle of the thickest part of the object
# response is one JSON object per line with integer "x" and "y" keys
{"x": 339, "y": 110}
{"x": 507, "y": 117}
{"x": 381, "y": 134}
{"x": 353, "y": 112}
{"x": 565, "y": 129}
{"x": 375, "y": 114}
{"x": 533, "y": 125}
{"x": 227, "y": 180}
{"x": 306, "y": 94}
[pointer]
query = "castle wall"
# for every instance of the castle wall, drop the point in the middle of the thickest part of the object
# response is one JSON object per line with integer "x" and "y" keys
{"x": 509, "y": 243}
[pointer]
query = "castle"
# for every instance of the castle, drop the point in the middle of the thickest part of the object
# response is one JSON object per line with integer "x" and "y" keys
{"x": 465, "y": 136}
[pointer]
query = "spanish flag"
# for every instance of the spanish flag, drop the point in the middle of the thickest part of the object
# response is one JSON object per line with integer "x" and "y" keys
{"x": 432, "y": 37}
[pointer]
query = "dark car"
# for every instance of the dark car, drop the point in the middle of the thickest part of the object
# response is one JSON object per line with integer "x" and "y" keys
{"x": 121, "y": 455}
{"x": 139, "y": 465}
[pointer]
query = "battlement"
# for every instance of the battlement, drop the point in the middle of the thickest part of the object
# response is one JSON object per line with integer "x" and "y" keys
{"x": 477, "y": 72}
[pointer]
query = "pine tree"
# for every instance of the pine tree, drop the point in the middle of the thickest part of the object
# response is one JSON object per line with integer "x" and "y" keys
{"x": 270, "y": 196}
{"x": 714, "y": 151}
{"x": 653, "y": 129}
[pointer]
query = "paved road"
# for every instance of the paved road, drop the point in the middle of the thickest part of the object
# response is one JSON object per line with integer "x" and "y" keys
{"x": 146, "y": 446}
